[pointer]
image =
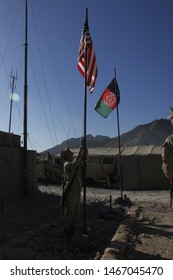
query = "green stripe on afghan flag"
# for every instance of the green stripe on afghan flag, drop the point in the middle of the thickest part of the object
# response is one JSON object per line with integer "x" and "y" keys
{"x": 109, "y": 100}
{"x": 103, "y": 109}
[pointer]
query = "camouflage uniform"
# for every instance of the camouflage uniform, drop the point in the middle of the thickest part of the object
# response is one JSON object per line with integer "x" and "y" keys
{"x": 72, "y": 193}
{"x": 167, "y": 157}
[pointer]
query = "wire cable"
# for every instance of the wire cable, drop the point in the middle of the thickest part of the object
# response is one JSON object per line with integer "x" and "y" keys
{"x": 56, "y": 71}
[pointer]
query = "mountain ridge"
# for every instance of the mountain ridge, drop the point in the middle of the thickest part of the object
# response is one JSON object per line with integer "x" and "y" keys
{"x": 153, "y": 133}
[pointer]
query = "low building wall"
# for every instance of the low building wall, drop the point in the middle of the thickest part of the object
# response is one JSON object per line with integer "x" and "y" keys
{"x": 11, "y": 173}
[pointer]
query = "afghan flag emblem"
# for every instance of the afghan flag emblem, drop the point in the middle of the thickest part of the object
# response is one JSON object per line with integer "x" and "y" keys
{"x": 109, "y": 99}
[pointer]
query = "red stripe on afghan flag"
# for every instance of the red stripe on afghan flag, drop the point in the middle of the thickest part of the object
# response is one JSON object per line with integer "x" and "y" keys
{"x": 109, "y": 100}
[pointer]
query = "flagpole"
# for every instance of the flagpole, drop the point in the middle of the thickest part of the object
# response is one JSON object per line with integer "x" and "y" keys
{"x": 25, "y": 103}
{"x": 84, "y": 137}
{"x": 119, "y": 143}
{"x": 88, "y": 69}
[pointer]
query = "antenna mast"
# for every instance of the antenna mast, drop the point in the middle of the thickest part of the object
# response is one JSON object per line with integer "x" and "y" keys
{"x": 25, "y": 77}
{"x": 11, "y": 103}
{"x": 25, "y": 99}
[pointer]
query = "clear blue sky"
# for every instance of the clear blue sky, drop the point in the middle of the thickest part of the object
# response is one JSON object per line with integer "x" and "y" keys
{"x": 135, "y": 36}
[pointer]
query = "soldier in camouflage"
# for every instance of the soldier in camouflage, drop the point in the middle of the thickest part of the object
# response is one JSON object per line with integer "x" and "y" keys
{"x": 167, "y": 152}
{"x": 167, "y": 157}
{"x": 72, "y": 189}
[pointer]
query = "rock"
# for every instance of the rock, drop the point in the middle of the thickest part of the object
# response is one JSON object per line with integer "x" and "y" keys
{"x": 81, "y": 241}
{"x": 125, "y": 201}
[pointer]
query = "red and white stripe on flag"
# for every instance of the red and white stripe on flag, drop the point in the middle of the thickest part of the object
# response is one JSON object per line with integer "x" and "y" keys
{"x": 91, "y": 65}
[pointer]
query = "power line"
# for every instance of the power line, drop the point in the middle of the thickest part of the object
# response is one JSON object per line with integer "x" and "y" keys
{"x": 56, "y": 72}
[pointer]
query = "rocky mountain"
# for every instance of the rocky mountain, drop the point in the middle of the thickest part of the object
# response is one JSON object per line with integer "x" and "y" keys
{"x": 72, "y": 143}
{"x": 153, "y": 133}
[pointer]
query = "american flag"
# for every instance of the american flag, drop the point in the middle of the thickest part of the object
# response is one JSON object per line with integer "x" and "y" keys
{"x": 91, "y": 59}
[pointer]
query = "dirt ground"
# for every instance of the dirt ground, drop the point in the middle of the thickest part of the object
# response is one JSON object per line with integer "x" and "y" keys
{"x": 151, "y": 237}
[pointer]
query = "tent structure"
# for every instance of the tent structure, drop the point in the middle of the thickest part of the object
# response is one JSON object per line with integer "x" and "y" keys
{"x": 44, "y": 157}
{"x": 49, "y": 170}
{"x": 141, "y": 166}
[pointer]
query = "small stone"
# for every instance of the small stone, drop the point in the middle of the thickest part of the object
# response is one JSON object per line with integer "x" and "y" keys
{"x": 80, "y": 240}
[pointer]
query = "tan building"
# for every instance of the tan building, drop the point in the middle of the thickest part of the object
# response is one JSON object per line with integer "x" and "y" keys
{"x": 11, "y": 169}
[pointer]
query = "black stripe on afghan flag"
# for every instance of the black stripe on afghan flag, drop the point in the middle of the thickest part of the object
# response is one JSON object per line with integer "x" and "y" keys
{"x": 109, "y": 100}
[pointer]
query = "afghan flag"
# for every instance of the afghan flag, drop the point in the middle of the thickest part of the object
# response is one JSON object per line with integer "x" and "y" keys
{"x": 109, "y": 99}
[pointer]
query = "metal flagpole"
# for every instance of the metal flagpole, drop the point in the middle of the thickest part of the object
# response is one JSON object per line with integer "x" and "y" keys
{"x": 84, "y": 137}
{"x": 119, "y": 141}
